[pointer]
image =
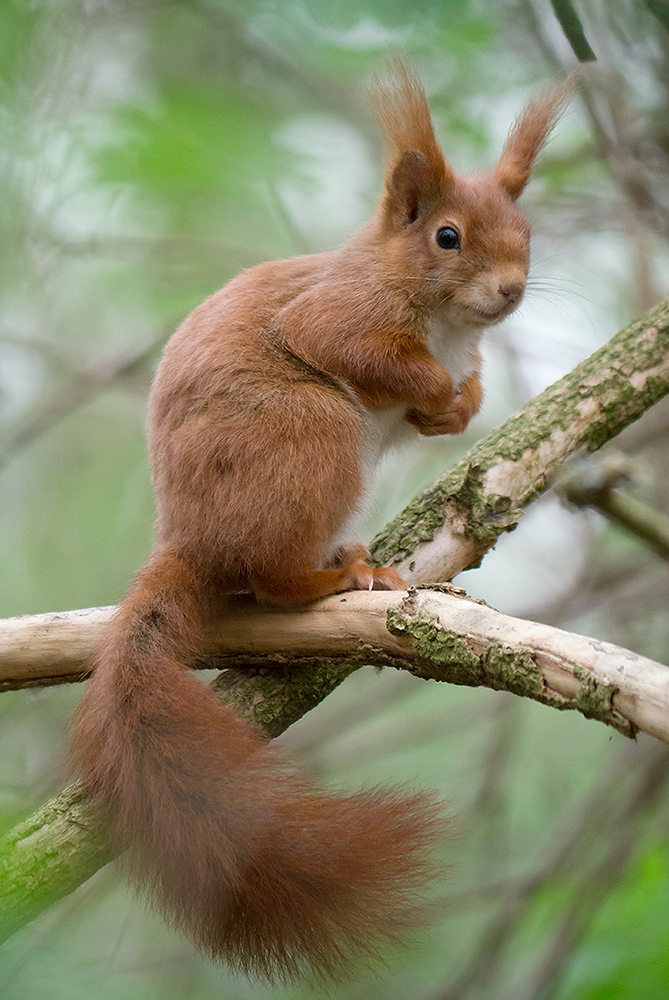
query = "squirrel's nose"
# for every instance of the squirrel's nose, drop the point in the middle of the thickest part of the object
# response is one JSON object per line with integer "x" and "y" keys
{"x": 511, "y": 292}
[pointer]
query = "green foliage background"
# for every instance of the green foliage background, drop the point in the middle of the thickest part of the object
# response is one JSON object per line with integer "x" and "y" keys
{"x": 148, "y": 152}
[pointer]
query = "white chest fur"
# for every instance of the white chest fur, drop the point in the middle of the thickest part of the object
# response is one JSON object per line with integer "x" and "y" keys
{"x": 456, "y": 349}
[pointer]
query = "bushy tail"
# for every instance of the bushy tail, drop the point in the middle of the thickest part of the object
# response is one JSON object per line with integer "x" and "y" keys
{"x": 256, "y": 865}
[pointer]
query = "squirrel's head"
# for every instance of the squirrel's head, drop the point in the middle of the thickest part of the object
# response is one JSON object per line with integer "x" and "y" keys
{"x": 461, "y": 242}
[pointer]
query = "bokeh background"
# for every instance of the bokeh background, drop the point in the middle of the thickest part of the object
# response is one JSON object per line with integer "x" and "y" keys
{"x": 149, "y": 151}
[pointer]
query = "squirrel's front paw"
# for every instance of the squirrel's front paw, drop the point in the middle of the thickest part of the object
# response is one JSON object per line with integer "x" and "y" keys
{"x": 452, "y": 422}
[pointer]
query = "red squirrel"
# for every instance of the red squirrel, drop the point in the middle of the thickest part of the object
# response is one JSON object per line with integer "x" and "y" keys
{"x": 270, "y": 409}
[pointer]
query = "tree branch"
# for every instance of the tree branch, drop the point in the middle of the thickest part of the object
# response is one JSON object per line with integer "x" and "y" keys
{"x": 450, "y": 526}
{"x": 597, "y": 484}
{"x": 434, "y": 634}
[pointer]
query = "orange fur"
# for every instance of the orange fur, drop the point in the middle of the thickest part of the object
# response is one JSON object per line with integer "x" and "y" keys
{"x": 270, "y": 407}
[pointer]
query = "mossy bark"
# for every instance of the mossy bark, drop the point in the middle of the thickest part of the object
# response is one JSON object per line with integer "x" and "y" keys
{"x": 47, "y": 857}
{"x": 488, "y": 491}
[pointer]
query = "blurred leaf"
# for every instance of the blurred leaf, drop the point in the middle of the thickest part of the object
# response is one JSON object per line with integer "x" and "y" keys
{"x": 626, "y": 951}
{"x": 192, "y": 143}
{"x": 18, "y": 19}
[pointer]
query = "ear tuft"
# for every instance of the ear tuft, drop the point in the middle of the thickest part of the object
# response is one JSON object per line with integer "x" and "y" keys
{"x": 528, "y": 136}
{"x": 416, "y": 169}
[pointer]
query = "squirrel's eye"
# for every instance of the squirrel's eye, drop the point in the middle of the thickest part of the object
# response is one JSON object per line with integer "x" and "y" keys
{"x": 448, "y": 238}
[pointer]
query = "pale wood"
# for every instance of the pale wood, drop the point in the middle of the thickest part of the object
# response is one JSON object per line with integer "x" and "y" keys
{"x": 48, "y": 648}
{"x": 486, "y": 648}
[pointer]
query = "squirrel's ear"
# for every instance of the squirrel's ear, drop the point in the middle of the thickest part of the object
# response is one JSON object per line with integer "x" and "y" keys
{"x": 412, "y": 187}
{"x": 416, "y": 170}
{"x": 528, "y": 136}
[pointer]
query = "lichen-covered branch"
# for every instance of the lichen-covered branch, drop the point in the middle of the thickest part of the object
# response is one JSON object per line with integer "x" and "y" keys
{"x": 465, "y": 642}
{"x": 451, "y": 525}
{"x": 290, "y": 660}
